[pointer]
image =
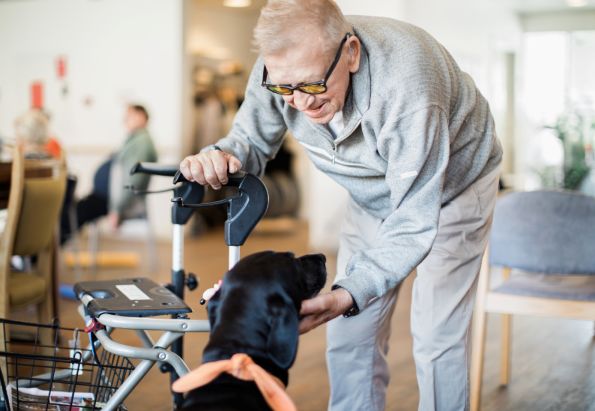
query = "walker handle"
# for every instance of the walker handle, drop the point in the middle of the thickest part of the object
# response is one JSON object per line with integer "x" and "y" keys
{"x": 192, "y": 193}
{"x": 154, "y": 169}
{"x": 244, "y": 209}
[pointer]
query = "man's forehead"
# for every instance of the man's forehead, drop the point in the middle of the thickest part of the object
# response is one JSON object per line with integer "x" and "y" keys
{"x": 297, "y": 64}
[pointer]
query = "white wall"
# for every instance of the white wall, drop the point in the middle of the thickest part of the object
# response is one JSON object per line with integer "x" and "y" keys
{"x": 117, "y": 51}
{"x": 386, "y": 8}
{"x": 221, "y": 33}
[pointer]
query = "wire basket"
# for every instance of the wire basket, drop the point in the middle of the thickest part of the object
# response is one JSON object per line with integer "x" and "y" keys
{"x": 47, "y": 367}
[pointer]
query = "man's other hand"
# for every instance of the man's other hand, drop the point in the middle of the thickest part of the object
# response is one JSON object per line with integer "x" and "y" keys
{"x": 324, "y": 307}
{"x": 113, "y": 220}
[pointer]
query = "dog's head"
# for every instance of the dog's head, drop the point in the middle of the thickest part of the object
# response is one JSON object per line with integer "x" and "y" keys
{"x": 256, "y": 310}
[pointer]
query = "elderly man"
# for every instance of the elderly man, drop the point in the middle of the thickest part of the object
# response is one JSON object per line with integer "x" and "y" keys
{"x": 382, "y": 108}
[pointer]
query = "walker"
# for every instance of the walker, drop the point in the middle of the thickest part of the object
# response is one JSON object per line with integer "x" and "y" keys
{"x": 101, "y": 376}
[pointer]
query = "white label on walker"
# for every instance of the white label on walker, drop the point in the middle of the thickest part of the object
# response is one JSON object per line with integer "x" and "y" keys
{"x": 132, "y": 292}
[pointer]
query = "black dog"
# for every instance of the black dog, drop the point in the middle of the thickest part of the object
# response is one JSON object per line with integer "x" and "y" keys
{"x": 256, "y": 312}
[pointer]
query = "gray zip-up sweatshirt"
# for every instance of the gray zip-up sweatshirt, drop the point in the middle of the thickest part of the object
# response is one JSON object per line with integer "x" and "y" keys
{"x": 417, "y": 133}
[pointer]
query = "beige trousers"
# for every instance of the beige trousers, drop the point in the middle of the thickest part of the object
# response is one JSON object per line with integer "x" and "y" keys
{"x": 441, "y": 310}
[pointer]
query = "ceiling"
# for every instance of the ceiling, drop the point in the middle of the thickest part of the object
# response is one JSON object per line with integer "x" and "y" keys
{"x": 528, "y": 6}
{"x": 517, "y": 5}
{"x": 256, "y": 4}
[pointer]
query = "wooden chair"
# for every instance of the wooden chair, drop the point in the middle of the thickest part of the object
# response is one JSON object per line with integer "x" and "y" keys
{"x": 36, "y": 193}
{"x": 548, "y": 239}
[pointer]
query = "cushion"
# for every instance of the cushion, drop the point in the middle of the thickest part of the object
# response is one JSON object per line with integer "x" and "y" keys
{"x": 563, "y": 287}
{"x": 26, "y": 288}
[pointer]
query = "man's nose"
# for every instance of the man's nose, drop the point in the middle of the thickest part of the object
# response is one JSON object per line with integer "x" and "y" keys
{"x": 303, "y": 101}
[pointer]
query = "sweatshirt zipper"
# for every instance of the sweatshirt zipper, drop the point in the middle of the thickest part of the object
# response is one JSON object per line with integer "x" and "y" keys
{"x": 334, "y": 151}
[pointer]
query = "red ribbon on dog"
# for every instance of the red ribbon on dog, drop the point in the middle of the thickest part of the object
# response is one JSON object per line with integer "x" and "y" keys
{"x": 244, "y": 368}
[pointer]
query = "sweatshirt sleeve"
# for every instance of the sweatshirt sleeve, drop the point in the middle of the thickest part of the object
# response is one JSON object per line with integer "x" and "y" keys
{"x": 416, "y": 147}
{"x": 258, "y": 128}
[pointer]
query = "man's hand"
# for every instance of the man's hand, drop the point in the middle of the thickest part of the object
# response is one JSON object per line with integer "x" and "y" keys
{"x": 113, "y": 220}
{"x": 324, "y": 307}
{"x": 210, "y": 168}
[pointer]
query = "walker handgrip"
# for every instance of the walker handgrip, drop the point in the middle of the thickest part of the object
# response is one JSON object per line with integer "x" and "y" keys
{"x": 179, "y": 177}
{"x": 154, "y": 169}
{"x": 234, "y": 180}
{"x": 244, "y": 209}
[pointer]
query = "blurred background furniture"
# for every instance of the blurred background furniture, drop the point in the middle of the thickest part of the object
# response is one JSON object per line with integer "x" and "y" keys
{"x": 94, "y": 257}
{"x": 36, "y": 193}
{"x": 548, "y": 239}
{"x": 138, "y": 213}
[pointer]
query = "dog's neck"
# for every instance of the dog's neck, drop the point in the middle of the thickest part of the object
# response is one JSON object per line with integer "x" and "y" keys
{"x": 221, "y": 353}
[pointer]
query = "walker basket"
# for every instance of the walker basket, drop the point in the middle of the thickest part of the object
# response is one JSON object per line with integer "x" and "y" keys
{"x": 48, "y": 367}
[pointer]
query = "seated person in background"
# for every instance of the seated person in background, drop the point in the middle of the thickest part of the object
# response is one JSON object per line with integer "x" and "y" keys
{"x": 32, "y": 130}
{"x": 110, "y": 196}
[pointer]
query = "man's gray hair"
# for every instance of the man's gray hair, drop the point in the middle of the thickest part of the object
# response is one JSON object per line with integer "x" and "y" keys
{"x": 284, "y": 24}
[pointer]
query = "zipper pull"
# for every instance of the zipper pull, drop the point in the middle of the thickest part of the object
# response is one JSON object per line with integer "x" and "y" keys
{"x": 334, "y": 152}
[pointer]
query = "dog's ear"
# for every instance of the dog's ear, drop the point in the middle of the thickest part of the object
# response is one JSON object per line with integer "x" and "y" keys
{"x": 283, "y": 336}
{"x": 213, "y": 308}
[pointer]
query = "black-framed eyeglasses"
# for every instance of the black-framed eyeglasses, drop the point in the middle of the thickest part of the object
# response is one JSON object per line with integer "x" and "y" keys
{"x": 316, "y": 87}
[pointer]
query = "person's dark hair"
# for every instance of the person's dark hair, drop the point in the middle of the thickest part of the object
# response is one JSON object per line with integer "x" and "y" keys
{"x": 140, "y": 109}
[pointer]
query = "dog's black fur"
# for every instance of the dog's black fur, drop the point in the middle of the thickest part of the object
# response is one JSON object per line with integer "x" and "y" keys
{"x": 256, "y": 312}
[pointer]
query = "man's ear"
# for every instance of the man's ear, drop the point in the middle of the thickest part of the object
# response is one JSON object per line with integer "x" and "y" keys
{"x": 354, "y": 52}
{"x": 283, "y": 334}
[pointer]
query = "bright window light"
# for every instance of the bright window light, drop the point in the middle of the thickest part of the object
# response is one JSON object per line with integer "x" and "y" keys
{"x": 237, "y": 3}
{"x": 577, "y": 3}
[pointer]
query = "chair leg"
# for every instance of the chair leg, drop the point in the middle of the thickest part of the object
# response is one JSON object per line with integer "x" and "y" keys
{"x": 477, "y": 357}
{"x": 151, "y": 247}
{"x": 93, "y": 246}
{"x": 505, "y": 353}
{"x": 45, "y": 309}
{"x": 3, "y": 347}
{"x": 75, "y": 240}
{"x": 479, "y": 336}
{"x": 4, "y": 308}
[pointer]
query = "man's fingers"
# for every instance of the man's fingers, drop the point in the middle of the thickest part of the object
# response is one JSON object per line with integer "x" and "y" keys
{"x": 219, "y": 161}
{"x": 185, "y": 168}
{"x": 210, "y": 174}
{"x": 210, "y": 168}
{"x": 308, "y": 323}
{"x": 196, "y": 171}
{"x": 234, "y": 164}
{"x": 315, "y": 305}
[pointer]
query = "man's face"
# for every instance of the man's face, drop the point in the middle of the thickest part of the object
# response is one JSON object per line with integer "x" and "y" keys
{"x": 308, "y": 63}
{"x": 134, "y": 120}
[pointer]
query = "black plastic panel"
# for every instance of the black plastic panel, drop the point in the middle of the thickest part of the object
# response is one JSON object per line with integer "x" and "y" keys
{"x": 132, "y": 297}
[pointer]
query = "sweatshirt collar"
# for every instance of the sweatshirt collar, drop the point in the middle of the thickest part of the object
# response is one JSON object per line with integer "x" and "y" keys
{"x": 360, "y": 82}
{"x": 357, "y": 101}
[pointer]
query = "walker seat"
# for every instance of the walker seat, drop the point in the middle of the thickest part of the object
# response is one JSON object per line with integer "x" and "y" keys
{"x": 131, "y": 297}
